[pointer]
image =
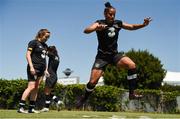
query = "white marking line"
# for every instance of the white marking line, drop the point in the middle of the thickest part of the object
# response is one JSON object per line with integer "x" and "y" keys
{"x": 144, "y": 117}
{"x": 124, "y": 117}
{"x": 86, "y": 116}
{"x": 118, "y": 117}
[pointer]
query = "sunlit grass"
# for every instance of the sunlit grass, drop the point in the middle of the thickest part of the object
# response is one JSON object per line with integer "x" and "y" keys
{"x": 86, "y": 115}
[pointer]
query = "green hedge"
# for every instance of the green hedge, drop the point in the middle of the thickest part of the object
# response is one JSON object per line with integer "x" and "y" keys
{"x": 104, "y": 98}
{"x": 10, "y": 92}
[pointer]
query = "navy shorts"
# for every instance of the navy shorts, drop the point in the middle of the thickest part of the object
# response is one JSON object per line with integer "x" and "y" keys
{"x": 102, "y": 60}
{"x": 39, "y": 72}
{"x": 51, "y": 81}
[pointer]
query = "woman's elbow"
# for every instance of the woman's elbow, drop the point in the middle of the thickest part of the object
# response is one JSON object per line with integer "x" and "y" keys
{"x": 86, "y": 31}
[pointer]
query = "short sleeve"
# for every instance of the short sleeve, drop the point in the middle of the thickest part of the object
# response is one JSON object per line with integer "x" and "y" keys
{"x": 100, "y": 21}
{"x": 119, "y": 22}
{"x": 31, "y": 45}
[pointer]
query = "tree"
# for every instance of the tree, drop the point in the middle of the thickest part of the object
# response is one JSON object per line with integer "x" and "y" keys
{"x": 150, "y": 71}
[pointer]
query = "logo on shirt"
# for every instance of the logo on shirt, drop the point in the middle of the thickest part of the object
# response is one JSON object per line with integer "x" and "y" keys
{"x": 43, "y": 55}
{"x": 111, "y": 32}
{"x": 97, "y": 65}
{"x": 56, "y": 58}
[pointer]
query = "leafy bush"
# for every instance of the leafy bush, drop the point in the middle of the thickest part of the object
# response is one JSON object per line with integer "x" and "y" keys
{"x": 150, "y": 71}
{"x": 72, "y": 94}
{"x": 11, "y": 91}
{"x": 104, "y": 98}
{"x": 170, "y": 88}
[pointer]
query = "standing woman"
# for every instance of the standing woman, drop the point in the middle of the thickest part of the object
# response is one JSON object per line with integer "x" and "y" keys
{"x": 36, "y": 58}
{"x": 51, "y": 80}
{"x": 107, "y": 31}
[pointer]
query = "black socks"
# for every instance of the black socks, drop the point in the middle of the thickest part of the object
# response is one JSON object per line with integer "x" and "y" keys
{"x": 132, "y": 77}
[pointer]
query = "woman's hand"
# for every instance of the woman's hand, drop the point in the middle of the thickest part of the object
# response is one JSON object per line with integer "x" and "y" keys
{"x": 32, "y": 70}
{"x": 147, "y": 21}
{"x": 46, "y": 73}
{"x": 101, "y": 27}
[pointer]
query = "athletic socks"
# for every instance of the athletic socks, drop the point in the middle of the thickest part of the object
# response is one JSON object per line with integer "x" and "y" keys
{"x": 88, "y": 90}
{"x": 132, "y": 77}
{"x": 48, "y": 101}
{"x": 31, "y": 105}
{"x": 22, "y": 104}
{"x": 132, "y": 86}
{"x": 55, "y": 99}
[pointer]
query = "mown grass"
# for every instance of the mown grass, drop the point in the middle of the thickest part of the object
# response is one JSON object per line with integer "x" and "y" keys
{"x": 86, "y": 115}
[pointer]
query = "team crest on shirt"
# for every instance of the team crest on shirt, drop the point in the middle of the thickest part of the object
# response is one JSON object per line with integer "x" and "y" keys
{"x": 56, "y": 58}
{"x": 111, "y": 32}
{"x": 97, "y": 65}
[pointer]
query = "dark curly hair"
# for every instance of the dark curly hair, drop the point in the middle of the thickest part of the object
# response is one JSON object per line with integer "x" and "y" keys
{"x": 52, "y": 50}
{"x": 108, "y": 6}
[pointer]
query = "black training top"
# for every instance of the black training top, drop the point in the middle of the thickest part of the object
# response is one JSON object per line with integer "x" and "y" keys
{"x": 53, "y": 63}
{"x": 107, "y": 38}
{"x": 38, "y": 54}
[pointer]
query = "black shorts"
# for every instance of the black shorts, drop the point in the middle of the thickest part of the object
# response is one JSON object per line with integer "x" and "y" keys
{"x": 51, "y": 81}
{"x": 102, "y": 60}
{"x": 39, "y": 72}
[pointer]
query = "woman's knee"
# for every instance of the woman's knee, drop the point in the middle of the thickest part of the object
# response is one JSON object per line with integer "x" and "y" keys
{"x": 93, "y": 81}
{"x": 126, "y": 62}
{"x": 31, "y": 88}
{"x": 95, "y": 75}
{"x": 37, "y": 83}
{"x": 132, "y": 65}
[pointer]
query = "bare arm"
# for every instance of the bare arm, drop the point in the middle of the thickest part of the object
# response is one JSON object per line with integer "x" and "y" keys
{"x": 136, "y": 26}
{"x": 46, "y": 70}
{"x": 29, "y": 60}
{"x": 94, "y": 27}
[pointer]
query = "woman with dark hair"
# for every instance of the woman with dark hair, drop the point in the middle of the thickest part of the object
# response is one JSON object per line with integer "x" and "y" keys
{"x": 36, "y": 58}
{"x": 107, "y": 31}
{"x": 51, "y": 79}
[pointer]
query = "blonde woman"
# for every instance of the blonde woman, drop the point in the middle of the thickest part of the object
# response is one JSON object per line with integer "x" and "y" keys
{"x": 36, "y": 68}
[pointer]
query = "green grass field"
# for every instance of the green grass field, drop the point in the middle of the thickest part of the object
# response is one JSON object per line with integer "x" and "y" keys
{"x": 86, "y": 115}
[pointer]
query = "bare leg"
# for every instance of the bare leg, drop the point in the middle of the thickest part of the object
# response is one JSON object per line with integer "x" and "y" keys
{"x": 127, "y": 63}
{"x": 34, "y": 92}
{"x": 47, "y": 91}
{"x": 95, "y": 75}
{"x": 48, "y": 97}
{"x": 33, "y": 95}
{"x": 26, "y": 93}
